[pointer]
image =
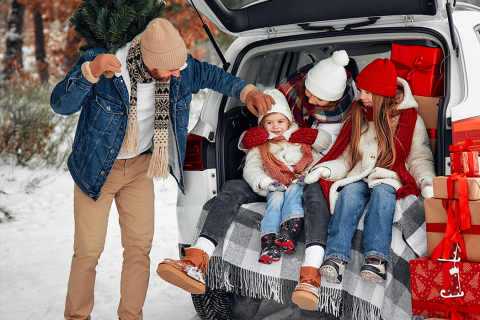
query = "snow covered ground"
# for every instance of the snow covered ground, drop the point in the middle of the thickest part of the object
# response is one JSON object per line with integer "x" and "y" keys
{"x": 36, "y": 250}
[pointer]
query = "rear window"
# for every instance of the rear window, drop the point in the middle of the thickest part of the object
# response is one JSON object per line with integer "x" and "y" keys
{"x": 240, "y": 4}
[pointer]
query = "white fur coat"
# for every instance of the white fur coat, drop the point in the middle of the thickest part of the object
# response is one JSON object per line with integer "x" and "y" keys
{"x": 256, "y": 174}
{"x": 419, "y": 161}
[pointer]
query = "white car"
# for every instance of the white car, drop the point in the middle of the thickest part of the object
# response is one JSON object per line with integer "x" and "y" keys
{"x": 275, "y": 38}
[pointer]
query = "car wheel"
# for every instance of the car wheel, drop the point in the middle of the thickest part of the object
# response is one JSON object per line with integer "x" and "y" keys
{"x": 221, "y": 305}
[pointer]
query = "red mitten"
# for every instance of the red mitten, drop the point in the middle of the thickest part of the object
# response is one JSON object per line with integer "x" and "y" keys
{"x": 254, "y": 137}
{"x": 304, "y": 135}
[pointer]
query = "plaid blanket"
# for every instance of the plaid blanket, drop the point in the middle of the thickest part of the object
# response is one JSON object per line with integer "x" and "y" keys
{"x": 234, "y": 266}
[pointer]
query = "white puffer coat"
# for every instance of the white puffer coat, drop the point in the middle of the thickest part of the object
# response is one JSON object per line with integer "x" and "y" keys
{"x": 419, "y": 161}
{"x": 256, "y": 174}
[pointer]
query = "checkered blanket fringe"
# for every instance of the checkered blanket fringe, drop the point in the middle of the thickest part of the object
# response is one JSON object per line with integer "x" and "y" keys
{"x": 234, "y": 266}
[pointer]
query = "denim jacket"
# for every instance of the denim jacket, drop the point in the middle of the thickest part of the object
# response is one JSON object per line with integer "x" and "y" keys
{"x": 104, "y": 109}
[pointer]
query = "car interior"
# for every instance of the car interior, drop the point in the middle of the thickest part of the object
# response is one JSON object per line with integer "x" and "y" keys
{"x": 266, "y": 68}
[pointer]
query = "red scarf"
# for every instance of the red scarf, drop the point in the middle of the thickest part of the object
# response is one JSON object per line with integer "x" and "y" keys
{"x": 278, "y": 169}
{"x": 404, "y": 137}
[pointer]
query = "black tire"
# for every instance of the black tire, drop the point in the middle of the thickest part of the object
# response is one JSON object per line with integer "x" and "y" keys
{"x": 221, "y": 305}
{"x": 213, "y": 304}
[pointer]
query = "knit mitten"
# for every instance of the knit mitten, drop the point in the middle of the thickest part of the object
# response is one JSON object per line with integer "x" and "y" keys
{"x": 255, "y": 137}
{"x": 276, "y": 186}
{"x": 304, "y": 135}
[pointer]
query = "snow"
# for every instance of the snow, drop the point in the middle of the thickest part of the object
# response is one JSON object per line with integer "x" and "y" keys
{"x": 36, "y": 247}
{"x": 36, "y": 250}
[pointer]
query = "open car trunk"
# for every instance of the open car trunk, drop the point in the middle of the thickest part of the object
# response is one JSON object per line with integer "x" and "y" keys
{"x": 266, "y": 68}
{"x": 240, "y": 16}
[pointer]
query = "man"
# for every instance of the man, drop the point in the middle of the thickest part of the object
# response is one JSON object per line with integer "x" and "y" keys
{"x": 132, "y": 128}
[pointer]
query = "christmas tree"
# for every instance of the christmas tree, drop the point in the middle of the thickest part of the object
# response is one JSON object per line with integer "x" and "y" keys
{"x": 112, "y": 23}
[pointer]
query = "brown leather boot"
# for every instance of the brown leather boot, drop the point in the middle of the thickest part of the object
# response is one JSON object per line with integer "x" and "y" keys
{"x": 307, "y": 291}
{"x": 188, "y": 273}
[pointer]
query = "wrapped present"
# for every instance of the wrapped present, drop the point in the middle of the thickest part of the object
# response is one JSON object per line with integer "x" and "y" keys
{"x": 440, "y": 189}
{"x": 421, "y": 67}
{"x": 445, "y": 289}
{"x": 440, "y": 238}
{"x": 464, "y": 160}
{"x": 428, "y": 111}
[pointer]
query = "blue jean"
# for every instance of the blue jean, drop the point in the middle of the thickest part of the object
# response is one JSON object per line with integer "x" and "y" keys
{"x": 377, "y": 232}
{"x": 282, "y": 206}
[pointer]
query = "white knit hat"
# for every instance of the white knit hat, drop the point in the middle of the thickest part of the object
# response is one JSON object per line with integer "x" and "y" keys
{"x": 328, "y": 79}
{"x": 280, "y": 106}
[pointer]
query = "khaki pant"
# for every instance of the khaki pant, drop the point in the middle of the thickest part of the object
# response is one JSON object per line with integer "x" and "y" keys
{"x": 134, "y": 197}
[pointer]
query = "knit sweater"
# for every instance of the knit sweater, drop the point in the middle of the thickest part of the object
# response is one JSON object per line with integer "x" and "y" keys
{"x": 419, "y": 161}
{"x": 256, "y": 174}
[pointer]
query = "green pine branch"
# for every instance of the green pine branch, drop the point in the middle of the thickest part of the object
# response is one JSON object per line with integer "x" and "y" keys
{"x": 113, "y": 23}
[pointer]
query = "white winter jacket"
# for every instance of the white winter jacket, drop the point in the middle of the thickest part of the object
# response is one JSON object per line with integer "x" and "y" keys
{"x": 256, "y": 174}
{"x": 419, "y": 161}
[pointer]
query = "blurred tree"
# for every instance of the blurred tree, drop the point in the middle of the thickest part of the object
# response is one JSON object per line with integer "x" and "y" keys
{"x": 185, "y": 19}
{"x": 45, "y": 15}
{"x": 12, "y": 58}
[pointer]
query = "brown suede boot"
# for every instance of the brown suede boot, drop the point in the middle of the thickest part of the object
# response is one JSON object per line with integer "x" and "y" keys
{"x": 188, "y": 273}
{"x": 307, "y": 291}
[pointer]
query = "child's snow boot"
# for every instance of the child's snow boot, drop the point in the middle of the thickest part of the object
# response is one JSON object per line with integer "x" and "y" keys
{"x": 270, "y": 252}
{"x": 307, "y": 291}
{"x": 332, "y": 269}
{"x": 374, "y": 269}
{"x": 287, "y": 237}
{"x": 188, "y": 273}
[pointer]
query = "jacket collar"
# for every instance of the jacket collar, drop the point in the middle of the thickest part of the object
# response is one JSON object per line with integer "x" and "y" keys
{"x": 408, "y": 99}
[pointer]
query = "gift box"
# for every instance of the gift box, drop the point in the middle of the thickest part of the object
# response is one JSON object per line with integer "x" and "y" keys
{"x": 428, "y": 111}
{"x": 436, "y": 218}
{"x": 428, "y": 279}
{"x": 440, "y": 190}
{"x": 464, "y": 162}
{"x": 421, "y": 67}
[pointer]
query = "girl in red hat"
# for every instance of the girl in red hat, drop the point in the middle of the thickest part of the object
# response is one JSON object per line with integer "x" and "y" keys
{"x": 386, "y": 157}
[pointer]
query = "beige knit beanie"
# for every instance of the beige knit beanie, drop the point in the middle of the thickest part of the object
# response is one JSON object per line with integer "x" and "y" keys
{"x": 162, "y": 47}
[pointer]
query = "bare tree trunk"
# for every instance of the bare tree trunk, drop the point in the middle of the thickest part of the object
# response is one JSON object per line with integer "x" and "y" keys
{"x": 40, "y": 46}
{"x": 71, "y": 49}
{"x": 12, "y": 58}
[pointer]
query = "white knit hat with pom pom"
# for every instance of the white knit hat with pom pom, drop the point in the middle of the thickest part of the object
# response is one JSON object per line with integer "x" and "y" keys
{"x": 327, "y": 80}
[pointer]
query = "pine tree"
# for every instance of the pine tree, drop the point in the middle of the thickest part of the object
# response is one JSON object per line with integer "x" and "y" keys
{"x": 112, "y": 23}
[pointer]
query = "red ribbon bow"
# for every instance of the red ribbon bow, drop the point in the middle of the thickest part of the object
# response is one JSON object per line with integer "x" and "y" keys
{"x": 418, "y": 66}
{"x": 453, "y": 312}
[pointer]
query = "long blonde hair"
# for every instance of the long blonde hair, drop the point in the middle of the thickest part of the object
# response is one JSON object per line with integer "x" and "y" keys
{"x": 384, "y": 109}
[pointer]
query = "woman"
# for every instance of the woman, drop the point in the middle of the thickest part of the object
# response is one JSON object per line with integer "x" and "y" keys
{"x": 316, "y": 94}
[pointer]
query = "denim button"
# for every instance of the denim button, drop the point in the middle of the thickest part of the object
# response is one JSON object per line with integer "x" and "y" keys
{"x": 112, "y": 151}
{"x": 90, "y": 195}
{"x": 102, "y": 173}
{"x": 108, "y": 108}
{"x": 121, "y": 127}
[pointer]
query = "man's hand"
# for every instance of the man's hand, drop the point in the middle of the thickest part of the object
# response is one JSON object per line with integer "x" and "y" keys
{"x": 304, "y": 135}
{"x": 315, "y": 175}
{"x": 259, "y": 101}
{"x": 254, "y": 137}
{"x": 103, "y": 63}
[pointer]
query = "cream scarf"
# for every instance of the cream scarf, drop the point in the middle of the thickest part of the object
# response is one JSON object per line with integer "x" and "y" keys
{"x": 158, "y": 167}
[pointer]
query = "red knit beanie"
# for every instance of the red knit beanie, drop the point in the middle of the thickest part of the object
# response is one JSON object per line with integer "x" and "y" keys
{"x": 379, "y": 77}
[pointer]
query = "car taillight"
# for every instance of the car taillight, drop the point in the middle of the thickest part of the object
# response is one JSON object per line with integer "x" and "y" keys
{"x": 193, "y": 153}
{"x": 464, "y": 129}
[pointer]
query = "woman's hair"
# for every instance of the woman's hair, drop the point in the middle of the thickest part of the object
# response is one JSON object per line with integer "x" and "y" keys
{"x": 384, "y": 108}
{"x": 300, "y": 87}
